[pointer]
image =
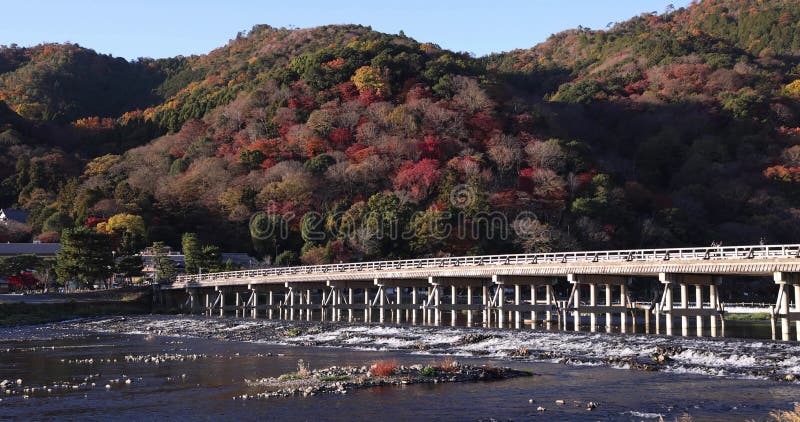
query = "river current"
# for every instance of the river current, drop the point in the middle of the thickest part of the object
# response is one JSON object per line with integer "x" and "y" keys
{"x": 190, "y": 368}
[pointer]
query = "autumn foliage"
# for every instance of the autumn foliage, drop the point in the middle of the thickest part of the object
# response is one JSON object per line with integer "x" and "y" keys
{"x": 666, "y": 129}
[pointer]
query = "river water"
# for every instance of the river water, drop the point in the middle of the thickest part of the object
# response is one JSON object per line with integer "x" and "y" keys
{"x": 190, "y": 368}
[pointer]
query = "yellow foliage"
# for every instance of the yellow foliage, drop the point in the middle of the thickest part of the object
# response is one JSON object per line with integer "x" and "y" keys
{"x": 101, "y": 165}
{"x": 371, "y": 77}
{"x": 793, "y": 89}
{"x": 32, "y": 111}
{"x": 125, "y": 223}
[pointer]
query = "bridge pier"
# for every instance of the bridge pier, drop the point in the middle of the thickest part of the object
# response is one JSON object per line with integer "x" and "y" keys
{"x": 342, "y": 297}
{"x": 697, "y": 309}
{"x": 522, "y": 305}
{"x": 191, "y": 300}
{"x": 593, "y": 309}
{"x": 788, "y": 284}
{"x": 255, "y": 292}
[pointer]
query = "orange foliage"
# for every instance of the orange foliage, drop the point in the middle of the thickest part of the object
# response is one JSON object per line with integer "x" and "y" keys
{"x": 783, "y": 173}
{"x": 383, "y": 368}
{"x": 94, "y": 123}
{"x": 334, "y": 64}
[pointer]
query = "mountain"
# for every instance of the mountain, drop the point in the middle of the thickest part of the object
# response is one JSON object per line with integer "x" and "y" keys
{"x": 667, "y": 129}
{"x": 66, "y": 82}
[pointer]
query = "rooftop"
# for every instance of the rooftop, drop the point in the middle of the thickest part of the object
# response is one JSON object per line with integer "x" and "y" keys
{"x": 14, "y": 214}
{"x": 41, "y": 249}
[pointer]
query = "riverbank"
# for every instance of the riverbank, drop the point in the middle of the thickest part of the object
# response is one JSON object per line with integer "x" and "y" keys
{"x": 16, "y": 310}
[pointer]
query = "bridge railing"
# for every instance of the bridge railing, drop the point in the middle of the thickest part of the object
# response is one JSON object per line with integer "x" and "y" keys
{"x": 714, "y": 253}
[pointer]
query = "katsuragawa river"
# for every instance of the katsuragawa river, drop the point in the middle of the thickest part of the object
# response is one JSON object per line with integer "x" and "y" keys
{"x": 191, "y": 367}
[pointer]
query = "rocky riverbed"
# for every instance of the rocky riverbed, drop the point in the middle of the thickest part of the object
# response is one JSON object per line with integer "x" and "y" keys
{"x": 341, "y": 379}
{"x": 723, "y": 357}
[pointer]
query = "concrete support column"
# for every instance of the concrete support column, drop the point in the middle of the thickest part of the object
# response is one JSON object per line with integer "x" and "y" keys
{"x": 367, "y": 313}
{"x": 698, "y": 293}
{"x": 350, "y": 302}
{"x": 533, "y": 303}
{"x": 783, "y": 310}
{"x": 501, "y": 299}
{"x": 713, "y": 301}
{"x": 485, "y": 303}
{"x": 398, "y": 300}
{"x": 517, "y": 302}
{"x": 414, "y": 291}
{"x": 336, "y": 302}
{"x": 453, "y": 301}
{"x": 207, "y": 310}
{"x": 254, "y": 295}
{"x": 291, "y": 303}
{"x": 668, "y": 307}
{"x": 657, "y": 311}
{"x": 300, "y": 301}
{"x": 237, "y": 304}
{"x": 437, "y": 313}
{"x": 309, "y": 310}
{"x": 469, "y": 302}
{"x": 221, "y": 303}
{"x": 549, "y": 299}
{"x": 271, "y": 300}
{"x": 381, "y": 304}
{"x": 684, "y": 306}
{"x": 576, "y": 315}
{"x": 623, "y": 301}
{"x": 608, "y": 303}
{"x": 593, "y": 303}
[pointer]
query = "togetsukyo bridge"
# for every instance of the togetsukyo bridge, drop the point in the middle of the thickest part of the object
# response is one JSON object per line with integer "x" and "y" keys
{"x": 505, "y": 290}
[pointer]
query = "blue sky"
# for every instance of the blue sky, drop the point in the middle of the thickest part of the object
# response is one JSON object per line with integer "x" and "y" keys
{"x": 164, "y": 28}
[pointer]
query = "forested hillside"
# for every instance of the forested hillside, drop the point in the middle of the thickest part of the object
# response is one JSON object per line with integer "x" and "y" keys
{"x": 664, "y": 130}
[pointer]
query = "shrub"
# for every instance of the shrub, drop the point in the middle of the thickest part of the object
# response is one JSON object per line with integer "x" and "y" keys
{"x": 383, "y": 368}
{"x": 786, "y": 415}
{"x": 448, "y": 364}
{"x": 428, "y": 371}
{"x": 302, "y": 368}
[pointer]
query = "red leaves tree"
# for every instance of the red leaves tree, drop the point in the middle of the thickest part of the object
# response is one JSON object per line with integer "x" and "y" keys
{"x": 418, "y": 179}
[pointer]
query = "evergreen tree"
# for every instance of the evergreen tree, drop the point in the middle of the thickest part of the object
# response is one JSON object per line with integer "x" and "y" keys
{"x": 130, "y": 266}
{"x": 165, "y": 267}
{"x": 211, "y": 259}
{"x": 192, "y": 252}
{"x": 85, "y": 256}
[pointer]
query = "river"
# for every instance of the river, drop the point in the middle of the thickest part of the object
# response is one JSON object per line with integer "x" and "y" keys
{"x": 190, "y": 368}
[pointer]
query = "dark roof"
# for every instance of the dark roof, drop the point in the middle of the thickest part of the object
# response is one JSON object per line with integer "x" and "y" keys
{"x": 16, "y": 215}
{"x": 41, "y": 249}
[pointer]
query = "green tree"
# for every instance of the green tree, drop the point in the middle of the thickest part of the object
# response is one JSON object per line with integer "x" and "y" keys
{"x": 192, "y": 252}
{"x": 210, "y": 259}
{"x": 165, "y": 267}
{"x": 286, "y": 258}
{"x": 85, "y": 256}
{"x": 16, "y": 264}
{"x": 130, "y": 267}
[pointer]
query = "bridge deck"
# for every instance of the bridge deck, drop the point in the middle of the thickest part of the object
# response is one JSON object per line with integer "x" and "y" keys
{"x": 757, "y": 260}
